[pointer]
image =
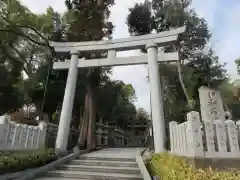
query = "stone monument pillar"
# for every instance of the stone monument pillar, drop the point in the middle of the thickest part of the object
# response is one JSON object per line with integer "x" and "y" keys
{"x": 211, "y": 104}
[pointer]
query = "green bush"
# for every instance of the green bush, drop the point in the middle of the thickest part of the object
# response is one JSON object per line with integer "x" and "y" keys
{"x": 18, "y": 161}
{"x": 168, "y": 167}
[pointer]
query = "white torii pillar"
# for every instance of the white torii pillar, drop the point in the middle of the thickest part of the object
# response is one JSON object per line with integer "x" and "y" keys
{"x": 156, "y": 99}
{"x": 67, "y": 106}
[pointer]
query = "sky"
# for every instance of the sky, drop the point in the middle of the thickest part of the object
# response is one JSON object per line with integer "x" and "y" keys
{"x": 223, "y": 20}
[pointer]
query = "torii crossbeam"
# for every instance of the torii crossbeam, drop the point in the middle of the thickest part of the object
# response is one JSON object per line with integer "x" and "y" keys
{"x": 116, "y": 61}
{"x": 151, "y": 42}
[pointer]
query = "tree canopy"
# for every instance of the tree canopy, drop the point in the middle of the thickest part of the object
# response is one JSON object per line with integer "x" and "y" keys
{"x": 198, "y": 65}
{"x": 26, "y": 58}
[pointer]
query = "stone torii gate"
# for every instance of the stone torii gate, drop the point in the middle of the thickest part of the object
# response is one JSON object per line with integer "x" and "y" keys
{"x": 151, "y": 42}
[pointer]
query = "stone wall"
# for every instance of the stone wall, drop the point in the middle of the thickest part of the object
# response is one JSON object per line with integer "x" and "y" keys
{"x": 214, "y": 163}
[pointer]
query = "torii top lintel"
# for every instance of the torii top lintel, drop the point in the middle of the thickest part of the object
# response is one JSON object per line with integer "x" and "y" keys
{"x": 124, "y": 44}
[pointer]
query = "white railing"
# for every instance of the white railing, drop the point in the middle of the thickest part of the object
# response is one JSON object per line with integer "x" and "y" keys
{"x": 208, "y": 139}
{"x": 16, "y": 137}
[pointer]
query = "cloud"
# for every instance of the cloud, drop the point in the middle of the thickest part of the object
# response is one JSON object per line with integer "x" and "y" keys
{"x": 135, "y": 75}
{"x": 223, "y": 19}
{"x": 228, "y": 47}
{"x": 206, "y": 11}
{"x": 41, "y": 6}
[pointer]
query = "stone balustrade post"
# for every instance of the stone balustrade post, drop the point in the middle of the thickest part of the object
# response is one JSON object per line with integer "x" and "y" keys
{"x": 221, "y": 136}
{"x": 4, "y": 130}
{"x": 232, "y": 136}
{"x": 27, "y": 137}
{"x": 21, "y": 134}
{"x": 194, "y": 135}
{"x": 34, "y": 137}
{"x": 15, "y": 140}
{"x": 173, "y": 137}
{"x": 42, "y": 134}
{"x": 209, "y": 134}
{"x": 99, "y": 135}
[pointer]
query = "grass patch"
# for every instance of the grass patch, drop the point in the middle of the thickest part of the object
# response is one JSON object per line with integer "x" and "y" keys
{"x": 11, "y": 162}
{"x": 167, "y": 167}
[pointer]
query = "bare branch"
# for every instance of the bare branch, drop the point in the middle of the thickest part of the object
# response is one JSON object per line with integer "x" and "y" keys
{"x": 180, "y": 77}
{"x": 15, "y": 60}
{"x": 34, "y": 30}
{"x": 23, "y": 35}
{"x": 26, "y": 27}
{"x": 20, "y": 55}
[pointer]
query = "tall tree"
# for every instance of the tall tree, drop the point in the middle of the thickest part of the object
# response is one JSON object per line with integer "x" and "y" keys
{"x": 88, "y": 20}
{"x": 24, "y": 42}
{"x": 118, "y": 108}
{"x": 142, "y": 116}
{"x": 230, "y": 91}
{"x": 196, "y": 62}
{"x": 237, "y": 62}
{"x": 21, "y": 46}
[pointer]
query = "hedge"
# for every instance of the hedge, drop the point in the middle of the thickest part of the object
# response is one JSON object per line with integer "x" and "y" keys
{"x": 167, "y": 167}
{"x": 19, "y": 161}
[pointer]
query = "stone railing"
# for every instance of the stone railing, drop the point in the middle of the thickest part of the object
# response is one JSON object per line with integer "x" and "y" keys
{"x": 102, "y": 131}
{"x": 107, "y": 135}
{"x": 114, "y": 136}
{"x": 210, "y": 139}
{"x": 16, "y": 137}
{"x": 136, "y": 141}
{"x": 52, "y": 130}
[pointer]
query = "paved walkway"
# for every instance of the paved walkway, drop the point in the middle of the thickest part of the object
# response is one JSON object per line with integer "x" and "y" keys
{"x": 127, "y": 153}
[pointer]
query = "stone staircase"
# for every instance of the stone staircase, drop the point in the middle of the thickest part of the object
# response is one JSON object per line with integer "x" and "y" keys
{"x": 109, "y": 164}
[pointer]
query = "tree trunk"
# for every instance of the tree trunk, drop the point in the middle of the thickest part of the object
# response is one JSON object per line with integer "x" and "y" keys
{"x": 92, "y": 117}
{"x": 183, "y": 85}
{"x": 100, "y": 2}
{"x": 180, "y": 77}
{"x": 90, "y": 109}
{"x": 87, "y": 128}
{"x": 83, "y": 128}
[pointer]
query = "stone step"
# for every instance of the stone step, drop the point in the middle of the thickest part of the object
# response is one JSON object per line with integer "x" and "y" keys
{"x": 107, "y": 158}
{"x": 58, "y": 178}
{"x": 106, "y": 169}
{"x": 104, "y": 163}
{"x": 93, "y": 175}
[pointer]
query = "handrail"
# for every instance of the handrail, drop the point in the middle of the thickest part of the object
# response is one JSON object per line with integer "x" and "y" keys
{"x": 42, "y": 170}
{"x": 142, "y": 166}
